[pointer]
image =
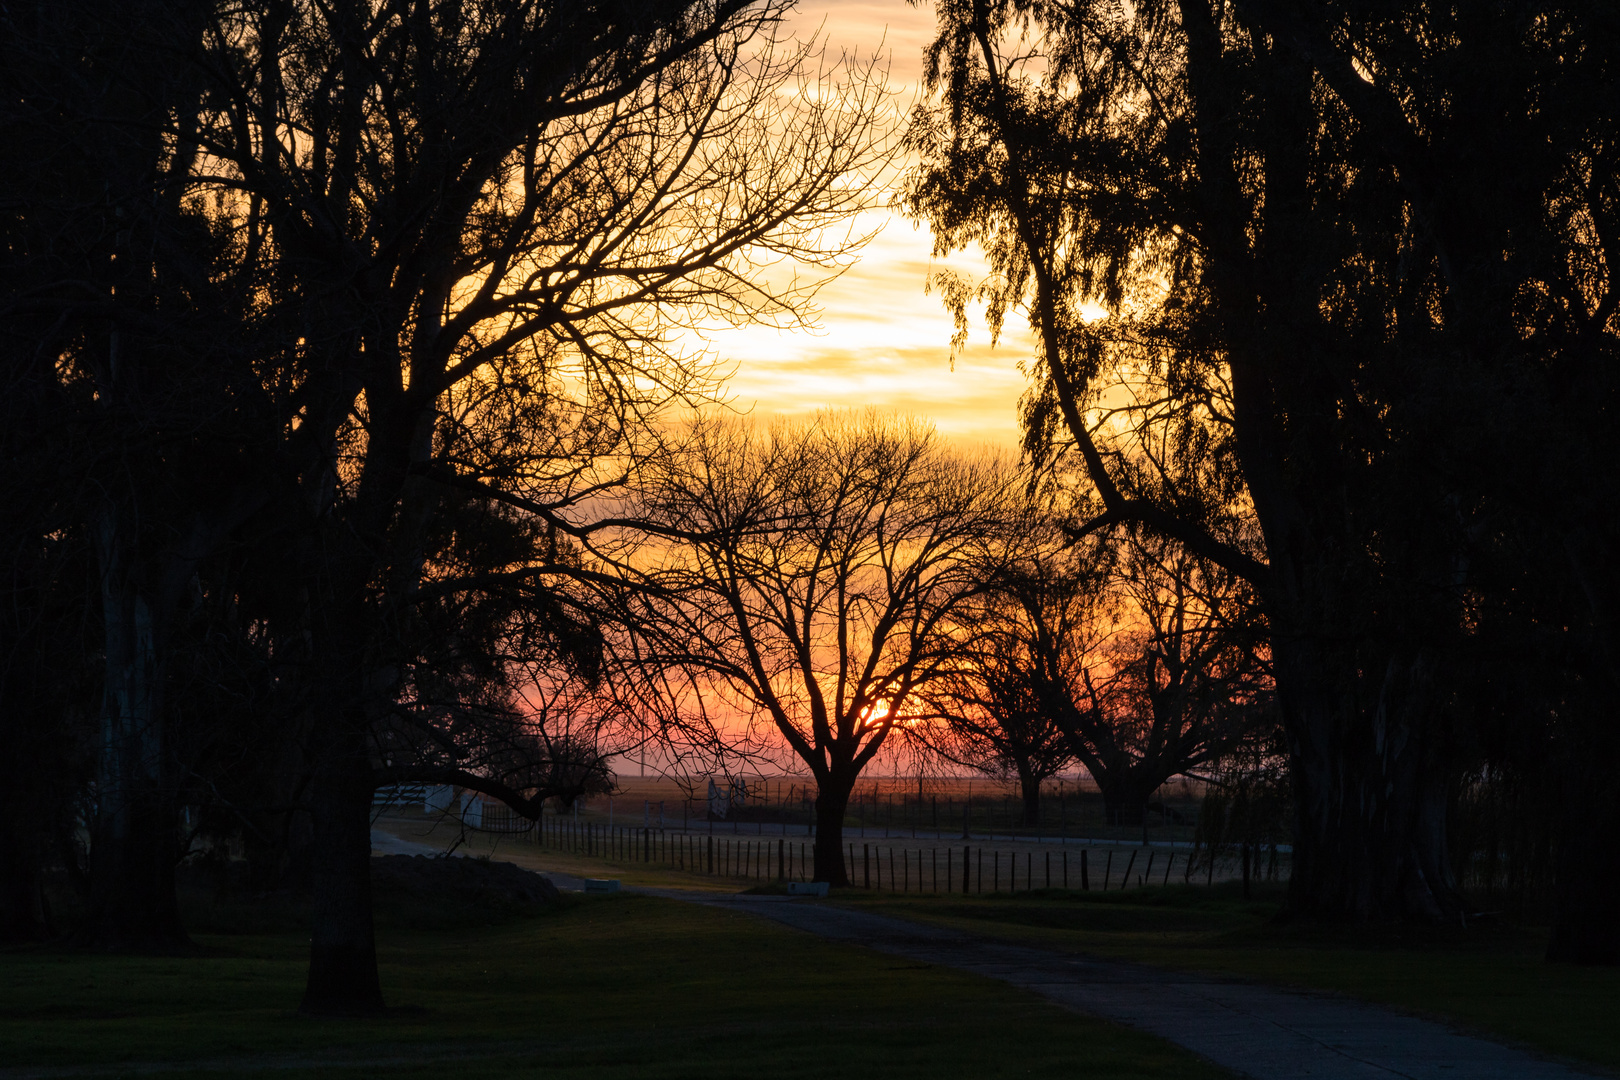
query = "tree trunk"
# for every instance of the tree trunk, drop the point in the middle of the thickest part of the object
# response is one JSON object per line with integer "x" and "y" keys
{"x": 1125, "y": 795}
{"x": 343, "y": 978}
{"x": 134, "y": 843}
{"x": 1586, "y": 884}
{"x": 1366, "y": 754}
{"x": 1369, "y": 792}
{"x": 35, "y": 785}
{"x": 22, "y": 902}
{"x": 832, "y": 801}
{"x": 1586, "y": 893}
{"x": 1029, "y": 786}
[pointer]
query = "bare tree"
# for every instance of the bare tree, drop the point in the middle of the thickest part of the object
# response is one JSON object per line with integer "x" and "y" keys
{"x": 1144, "y": 659}
{"x": 810, "y": 581}
{"x": 989, "y": 715}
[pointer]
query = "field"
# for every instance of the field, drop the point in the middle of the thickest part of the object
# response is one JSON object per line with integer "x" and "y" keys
{"x": 1489, "y": 977}
{"x": 625, "y": 986}
{"x": 636, "y": 986}
{"x": 892, "y": 807}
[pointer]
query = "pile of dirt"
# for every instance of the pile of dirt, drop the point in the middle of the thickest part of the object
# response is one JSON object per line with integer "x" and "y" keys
{"x": 427, "y": 891}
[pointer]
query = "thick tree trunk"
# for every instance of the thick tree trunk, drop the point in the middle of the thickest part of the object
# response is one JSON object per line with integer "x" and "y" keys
{"x": 343, "y": 978}
{"x": 133, "y": 852}
{"x": 1029, "y": 786}
{"x": 1586, "y": 896}
{"x": 1369, "y": 790}
{"x": 33, "y": 787}
{"x": 1586, "y": 893}
{"x": 22, "y": 902}
{"x": 1367, "y": 756}
{"x": 832, "y": 801}
{"x": 1125, "y": 795}
{"x": 134, "y": 843}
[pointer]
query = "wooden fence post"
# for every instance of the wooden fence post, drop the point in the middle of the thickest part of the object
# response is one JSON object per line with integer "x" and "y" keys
{"x": 1085, "y": 875}
{"x": 1126, "y": 880}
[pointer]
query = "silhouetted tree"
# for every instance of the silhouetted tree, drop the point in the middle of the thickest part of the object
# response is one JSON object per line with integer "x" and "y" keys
{"x": 133, "y": 326}
{"x": 990, "y": 718}
{"x": 811, "y": 580}
{"x": 1219, "y": 180}
{"x": 1142, "y": 661}
{"x": 503, "y": 212}
{"x": 408, "y": 264}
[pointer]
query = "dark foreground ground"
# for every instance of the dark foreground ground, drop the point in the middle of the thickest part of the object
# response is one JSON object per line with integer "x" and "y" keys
{"x": 497, "y": 979}
{"x": 626, "y": 986}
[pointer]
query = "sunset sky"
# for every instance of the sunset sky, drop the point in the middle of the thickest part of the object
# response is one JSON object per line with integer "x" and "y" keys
{"x": 882, "y": 340}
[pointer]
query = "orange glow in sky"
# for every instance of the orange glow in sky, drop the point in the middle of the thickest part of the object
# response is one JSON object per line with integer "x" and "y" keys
{"x": 883, "y": 341}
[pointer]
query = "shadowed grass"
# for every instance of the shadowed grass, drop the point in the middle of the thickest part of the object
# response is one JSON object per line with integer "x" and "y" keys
{"x": 619, "y": 987}
{"x": 1490, "y": 978}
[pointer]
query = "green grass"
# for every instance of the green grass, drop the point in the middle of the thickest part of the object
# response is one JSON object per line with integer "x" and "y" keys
{"x": 617, "y": 987}
{"x": 1490, "y": 978}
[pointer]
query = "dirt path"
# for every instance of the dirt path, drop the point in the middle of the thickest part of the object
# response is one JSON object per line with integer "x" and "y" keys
{"x": 1253, "y": 1030}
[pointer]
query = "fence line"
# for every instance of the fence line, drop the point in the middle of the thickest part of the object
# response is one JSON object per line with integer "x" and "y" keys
{"x": 940, "y": 869}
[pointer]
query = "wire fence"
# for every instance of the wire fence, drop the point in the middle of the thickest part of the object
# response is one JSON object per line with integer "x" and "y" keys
{"x": 962, "y": 869}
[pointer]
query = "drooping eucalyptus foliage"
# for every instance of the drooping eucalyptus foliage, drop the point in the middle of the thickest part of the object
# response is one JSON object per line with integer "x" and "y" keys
{"x": 1339, "y": 270}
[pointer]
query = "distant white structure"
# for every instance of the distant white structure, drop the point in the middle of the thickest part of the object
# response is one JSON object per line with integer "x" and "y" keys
{"x": 722, "y": 803}
{"x": 441, "y": 799}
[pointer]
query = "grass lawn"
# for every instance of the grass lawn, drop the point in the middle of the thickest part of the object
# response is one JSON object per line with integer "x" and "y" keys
{"x": 613, "y": 987}
{"x": 1490, "y": 978}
